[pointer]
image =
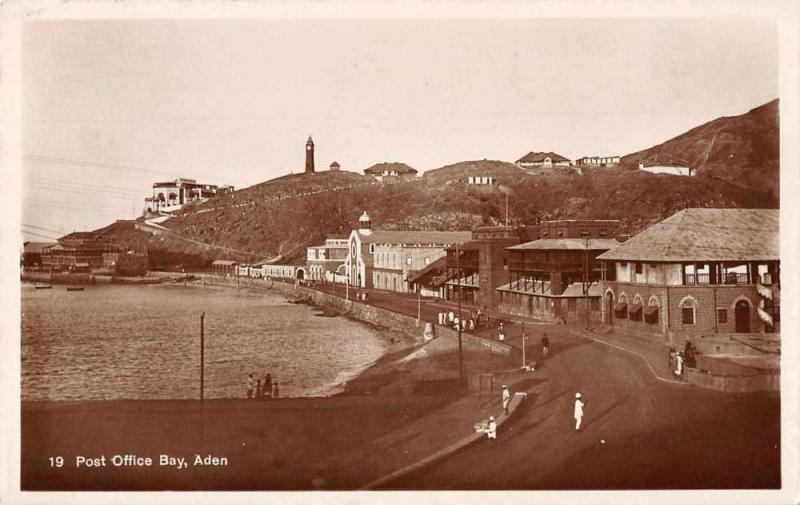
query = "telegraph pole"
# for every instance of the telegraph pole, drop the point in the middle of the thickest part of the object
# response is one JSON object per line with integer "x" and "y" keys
{"x": 523, "y": 344}
{"x": 202, "y": 380}
{"x": 460, "y": 323}
{"x": 586, "y": 241}
{"x": 202, "y": 356}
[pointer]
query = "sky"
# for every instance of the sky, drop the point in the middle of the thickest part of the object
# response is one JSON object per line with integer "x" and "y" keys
{"x": 109, "y": 107}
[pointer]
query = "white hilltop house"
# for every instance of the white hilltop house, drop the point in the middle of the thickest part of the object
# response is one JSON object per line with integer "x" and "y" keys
{"x": 670, "y": 165}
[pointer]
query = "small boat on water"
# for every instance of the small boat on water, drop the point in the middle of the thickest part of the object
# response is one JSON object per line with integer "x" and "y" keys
{"x": 75, "y": 289}
{"x": 43, "y": 286}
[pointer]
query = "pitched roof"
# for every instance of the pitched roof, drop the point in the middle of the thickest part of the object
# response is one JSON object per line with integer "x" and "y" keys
{"x": 225, "y": 263}
{"x": 706, "y": 235}
{"x": 414, "y": 237}
{"x": 439, "y": 264}
{"x": 595, "y": 244}
{"x": 533, "y": 157}
{"x": 379, "y": 168}
{"x": 35, "y": 247}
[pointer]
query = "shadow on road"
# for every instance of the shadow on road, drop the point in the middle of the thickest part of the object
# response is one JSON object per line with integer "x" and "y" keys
{"x": 606, "y": 411}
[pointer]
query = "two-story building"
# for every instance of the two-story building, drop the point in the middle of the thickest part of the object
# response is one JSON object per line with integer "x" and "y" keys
{"x": 477, "y": 268}
{"x": 171, "y": 196}
{"x": 324, "y": 262}
{"x": 699, "y": 272}
{"x": 384, "y": 259}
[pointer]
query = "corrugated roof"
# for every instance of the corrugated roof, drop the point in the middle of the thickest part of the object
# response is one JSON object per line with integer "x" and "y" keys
{"x": 414, "y": 237}
{"x": 595, "y": 244}
{"x": 533, "y": 157}
{"x": 706, "y": 235}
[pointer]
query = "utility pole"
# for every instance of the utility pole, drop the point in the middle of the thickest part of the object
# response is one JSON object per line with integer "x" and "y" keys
{"x": 460, "y": 324}
{"x": 586, "y": 240}
{"x": 523, "y": 345}
{"x": 202, "y": 356}
{"x": 506, "y": 210}
{"x": 419, "y": 305}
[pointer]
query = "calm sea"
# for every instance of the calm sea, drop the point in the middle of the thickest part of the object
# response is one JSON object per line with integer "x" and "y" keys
{"x": 142, "y": 342}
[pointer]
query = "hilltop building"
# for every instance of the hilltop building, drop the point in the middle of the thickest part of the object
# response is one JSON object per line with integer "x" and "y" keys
{"x": 598, "y": 161}
{"x": 335, "y": 167}
{"x": 391, "y": 172}
{"x": 171, "y": 196}
{"x": 323, "y": 262}
{"x": 385, "y": 259}
{"x": 542, "y": 160}
{"x": 480, "y": 180}
{"x": 698, "y": 273}
{"x": 310, "y": 155}
{"x": 670, "y": 165}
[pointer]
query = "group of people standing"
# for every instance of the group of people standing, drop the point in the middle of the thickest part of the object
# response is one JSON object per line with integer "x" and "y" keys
{"x": 451, "y": 319}
{"x": 257, "y": 391}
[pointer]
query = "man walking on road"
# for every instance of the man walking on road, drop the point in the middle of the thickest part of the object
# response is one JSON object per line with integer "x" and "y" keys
{"x": 578, "y": 411}
{"x": 545, "y": 346}
{"x": 506, "y": 398}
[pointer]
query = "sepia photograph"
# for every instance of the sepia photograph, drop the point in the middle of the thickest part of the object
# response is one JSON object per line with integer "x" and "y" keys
{"x": 402, "y": 253}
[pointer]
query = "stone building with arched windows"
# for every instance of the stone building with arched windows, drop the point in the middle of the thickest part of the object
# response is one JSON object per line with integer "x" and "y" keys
{"x": 700, "y": 272}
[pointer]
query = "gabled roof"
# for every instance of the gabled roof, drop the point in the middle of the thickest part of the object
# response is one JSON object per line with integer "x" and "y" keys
{"x": 706, "y": 235}
{"x": 225, "y": 263}
{"x": 411, "y": 238}
{"x": 439, "y": 264}
{"x": 533, "y": 157}
{"x": 572, "y": 244}
{"x": 379, "y": 168}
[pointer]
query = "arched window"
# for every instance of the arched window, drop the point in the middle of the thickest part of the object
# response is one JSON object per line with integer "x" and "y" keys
{"x": 688, "y": 311}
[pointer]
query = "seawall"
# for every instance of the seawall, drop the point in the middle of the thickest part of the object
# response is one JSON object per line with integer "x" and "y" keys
{"x": 368, "y": 313}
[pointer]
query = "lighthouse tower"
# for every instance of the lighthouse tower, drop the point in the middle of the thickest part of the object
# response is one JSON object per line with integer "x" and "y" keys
{"x": 310, "y": 156}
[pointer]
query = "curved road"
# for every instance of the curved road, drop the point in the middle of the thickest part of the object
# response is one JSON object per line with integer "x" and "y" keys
{"x": 657, "y": 435}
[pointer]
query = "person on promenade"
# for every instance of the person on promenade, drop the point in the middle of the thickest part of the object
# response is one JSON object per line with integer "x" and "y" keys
{"x": 250, "y": 387}
{"x": 671, "y": 358}
{"x": 689, "y": 356}
{"x": 491, "y": 431}
{"x": 472, "y": 324}
{"x": 450, "y": 317}
{"x": 578, "y": 411}
{"x": 456, "y": 322}
{"x": 258, "y": 389}
{"x": 506, "y": 398}
{"x": 501, "y": 332}
{"x": 275, "y": 391}
{"x": 267, "y": 391}
{"x": 679, "y": 365}
{"x": 545, "y": 346}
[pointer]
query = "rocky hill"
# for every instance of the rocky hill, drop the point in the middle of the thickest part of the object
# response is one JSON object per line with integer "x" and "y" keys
{"x": 283, "y": 216}
{"x": 743, "y": 150}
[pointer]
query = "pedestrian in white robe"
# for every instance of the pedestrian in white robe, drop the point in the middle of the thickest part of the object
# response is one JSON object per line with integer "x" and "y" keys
{"x": 578, "y": 411}
{"x": 491, "y": 431}
{"x": 506, "y": 398}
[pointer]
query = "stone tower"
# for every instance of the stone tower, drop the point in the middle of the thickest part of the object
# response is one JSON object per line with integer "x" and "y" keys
{"x": 310, "y": 156}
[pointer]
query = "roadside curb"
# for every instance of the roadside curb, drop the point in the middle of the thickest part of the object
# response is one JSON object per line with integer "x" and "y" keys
{"x": 516, "y": 401}
{"x": 644, "y": 358}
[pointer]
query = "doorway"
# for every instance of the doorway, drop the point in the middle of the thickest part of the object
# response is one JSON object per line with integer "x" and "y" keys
{"x": 742, "y": 314}
{"x": 609, "y": 308}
